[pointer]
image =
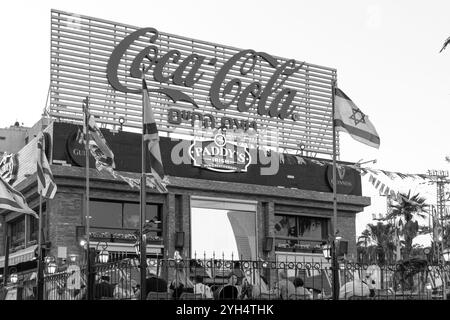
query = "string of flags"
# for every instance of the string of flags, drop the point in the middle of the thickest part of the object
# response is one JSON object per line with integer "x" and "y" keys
{"x": 375, "y": 175}
{"x": 362, "y": 170}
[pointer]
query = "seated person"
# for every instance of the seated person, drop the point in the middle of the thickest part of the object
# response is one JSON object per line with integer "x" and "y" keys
{"x": 201, "y": 288}
{"x": 180, "y": 284}
{"x": 230, "y": 290}
{"x": 285, "y": 286}
{"x": 153, "y": 283}
{"x": 103, "y": 289}
{"x": 124, "y": 289}
{"x": 300, "y": 290}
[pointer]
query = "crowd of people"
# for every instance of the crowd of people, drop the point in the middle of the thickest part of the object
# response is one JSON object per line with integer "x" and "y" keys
{"x": 184, "y": 286}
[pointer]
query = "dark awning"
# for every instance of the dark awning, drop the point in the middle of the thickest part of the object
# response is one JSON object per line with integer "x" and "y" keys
{"x": 20, "y": 256}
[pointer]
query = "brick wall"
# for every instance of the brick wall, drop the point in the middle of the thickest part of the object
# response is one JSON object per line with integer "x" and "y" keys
{"x": 64, "y": 214}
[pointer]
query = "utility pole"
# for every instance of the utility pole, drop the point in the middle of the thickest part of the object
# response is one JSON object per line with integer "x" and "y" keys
{"x": 440, "y": 178}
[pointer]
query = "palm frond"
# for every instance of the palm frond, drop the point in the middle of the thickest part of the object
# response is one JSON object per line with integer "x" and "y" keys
{"x": 445, "y": 44}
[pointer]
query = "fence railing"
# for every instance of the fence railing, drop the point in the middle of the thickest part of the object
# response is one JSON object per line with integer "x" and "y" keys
{"x": 246, "y": 279}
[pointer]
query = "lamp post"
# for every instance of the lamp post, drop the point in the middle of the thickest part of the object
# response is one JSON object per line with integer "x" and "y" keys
{"x": 329, "y": 252}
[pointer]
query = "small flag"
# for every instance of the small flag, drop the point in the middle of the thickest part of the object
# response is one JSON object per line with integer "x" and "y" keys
{"x": 104, "y": 157}
{"x": 11, "y": 199}
{"x": 46, "y": 183}
{"x": 348, "y": 117}
{"x": 151, "y": 137}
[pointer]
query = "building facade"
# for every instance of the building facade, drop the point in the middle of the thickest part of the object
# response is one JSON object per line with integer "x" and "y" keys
{"x": 206, "y": 214}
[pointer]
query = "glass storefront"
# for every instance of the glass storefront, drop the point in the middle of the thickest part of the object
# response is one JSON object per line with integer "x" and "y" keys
{"x": 223, "y": 228}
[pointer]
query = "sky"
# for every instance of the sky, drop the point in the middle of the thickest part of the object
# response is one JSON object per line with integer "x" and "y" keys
{"x": 386, "y": 54}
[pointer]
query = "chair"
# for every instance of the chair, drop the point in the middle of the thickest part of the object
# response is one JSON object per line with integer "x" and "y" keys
{"x": 191, "y": 296}
{"x": 158, "y": 296}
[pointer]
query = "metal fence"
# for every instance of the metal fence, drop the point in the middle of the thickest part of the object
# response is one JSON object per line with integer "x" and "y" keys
{"x": 252, "y": 280}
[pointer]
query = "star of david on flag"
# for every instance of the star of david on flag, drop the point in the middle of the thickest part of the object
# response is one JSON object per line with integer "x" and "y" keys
{"x": 349, "y": 118}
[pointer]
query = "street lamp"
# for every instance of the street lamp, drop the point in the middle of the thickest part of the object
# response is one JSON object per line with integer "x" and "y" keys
{"x": 13, "y": 275}
{"x": 446, "y": 254}
{"x": 50, "y": 264}
{"x": 103, "y": 256}
{"x": 326, "y": 250}
{"x": 121, "y": 122}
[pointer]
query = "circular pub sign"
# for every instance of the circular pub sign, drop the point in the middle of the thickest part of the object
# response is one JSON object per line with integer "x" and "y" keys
{"x": 76, "y": 151}
{"x": 345, "y": 179}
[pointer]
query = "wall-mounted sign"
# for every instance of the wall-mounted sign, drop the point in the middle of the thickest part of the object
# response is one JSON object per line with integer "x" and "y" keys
{"x": 345, "y": 179}
{"x": 9, "y": 165}
{"x": 76, "y": 151}
{"x": 189, "y": 80}
{"x": 219, "y": 155}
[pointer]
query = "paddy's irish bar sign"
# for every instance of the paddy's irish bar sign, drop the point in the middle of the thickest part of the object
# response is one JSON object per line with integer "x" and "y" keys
{"x": 193, "y": 83}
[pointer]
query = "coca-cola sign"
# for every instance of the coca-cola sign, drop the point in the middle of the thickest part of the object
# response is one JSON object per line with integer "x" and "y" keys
{"x": 225, "y": 90}
{"x": 193, "y": 83}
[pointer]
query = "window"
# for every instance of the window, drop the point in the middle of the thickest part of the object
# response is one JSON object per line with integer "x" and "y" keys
{"x": 131, "y": 213}
{"x": 106, "y": 214}
{"x": 122, "y": 215}
{"x": 223, "y": 228}
{"x": 300, "y": 232}
{"x": 34, "y": 229}
{"x": 17, "y": 232}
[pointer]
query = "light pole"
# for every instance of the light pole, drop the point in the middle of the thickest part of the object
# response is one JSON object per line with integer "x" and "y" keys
{"x": 330, "y": 252}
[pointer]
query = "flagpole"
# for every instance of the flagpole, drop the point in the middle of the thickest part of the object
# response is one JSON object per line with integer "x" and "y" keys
{"x": 334, "y": 220}
{"x": 88, "y": 255}
{"x": 40, "y": 273}
{"x": 142, "y": 240}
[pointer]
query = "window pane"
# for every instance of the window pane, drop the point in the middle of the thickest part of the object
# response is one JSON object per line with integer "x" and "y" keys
{"x": 131, "y": 215}
{"x": 131, "y": 212}
{"x": 34, "y": 228}
{"x": 106, "y": 214}
{"x": 285, "y": 226}
{"x": 17, "y": 232}
{"x": 310, "y": 228}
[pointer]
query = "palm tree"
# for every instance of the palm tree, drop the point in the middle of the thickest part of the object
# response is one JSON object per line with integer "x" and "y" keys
{"x": 405, "y": 208}
{"x": 381, "y": 234}
{"x": 363, "y": 242}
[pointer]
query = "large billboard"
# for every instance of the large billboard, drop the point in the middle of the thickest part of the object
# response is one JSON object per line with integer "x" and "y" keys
{"x": 192, "y": 84}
